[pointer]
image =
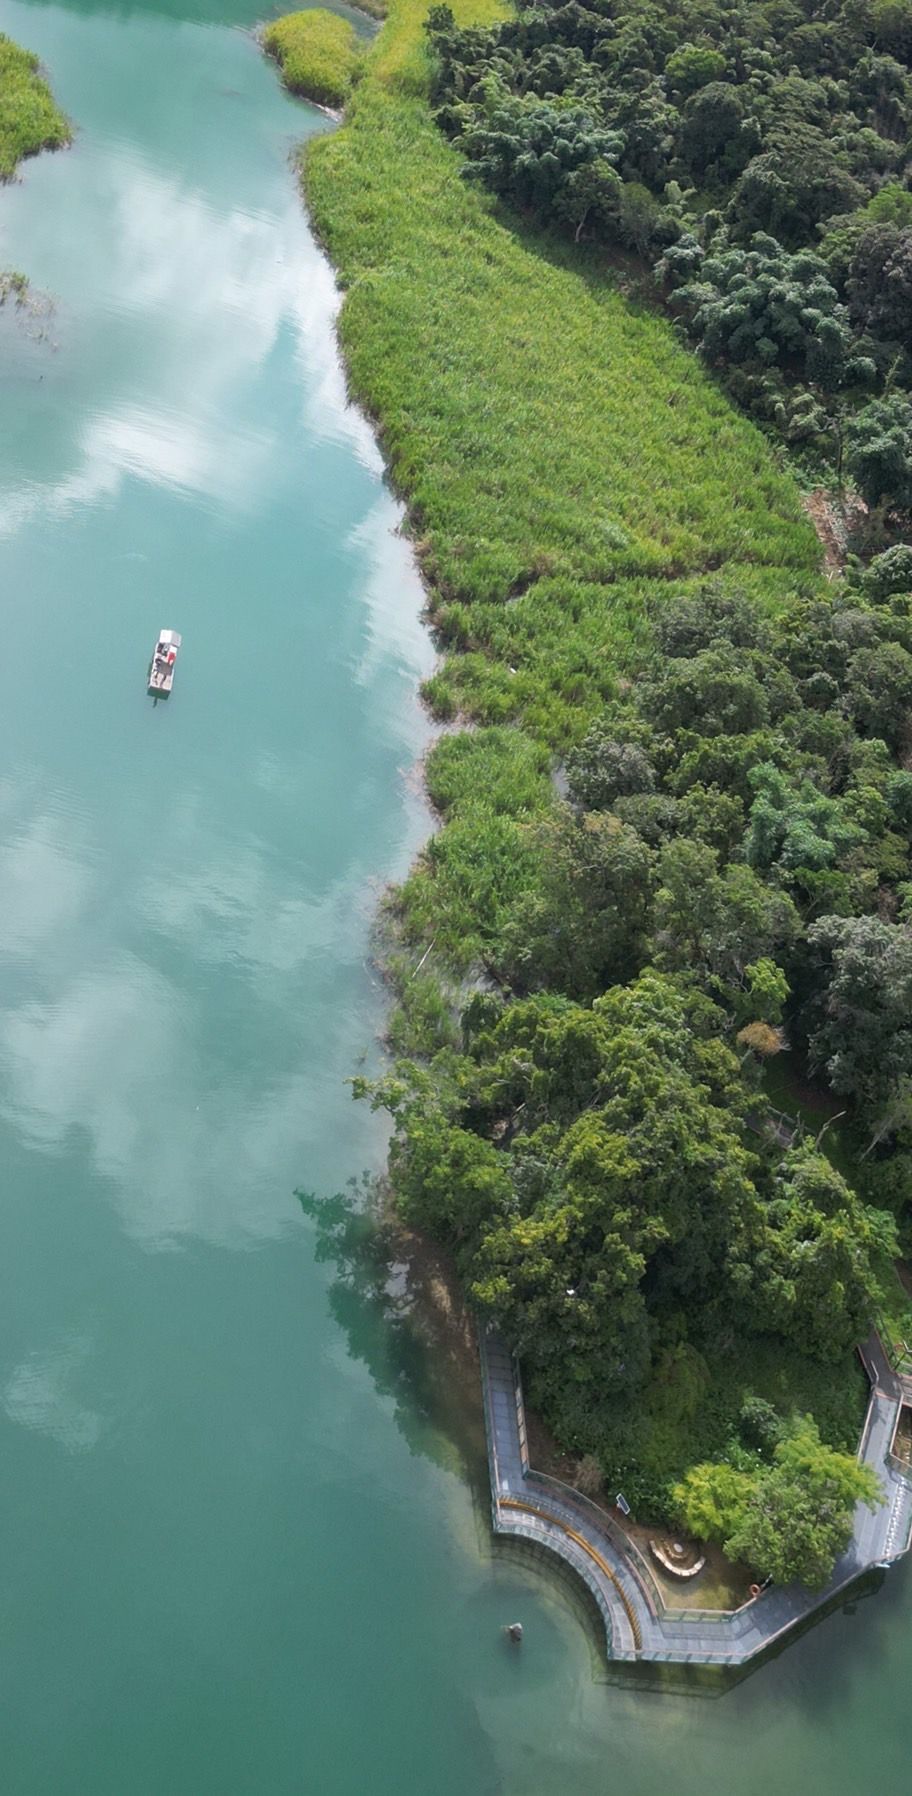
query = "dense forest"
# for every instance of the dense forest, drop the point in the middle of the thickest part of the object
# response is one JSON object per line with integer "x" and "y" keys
{"x": 728, "y": 879}
{"x": 756, "y": 156}
{"x": 672, "y": 875}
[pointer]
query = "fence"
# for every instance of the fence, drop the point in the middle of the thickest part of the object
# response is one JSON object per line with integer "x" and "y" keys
{"x": 616, "y": 1571}
{"x": 573, "y": 1502}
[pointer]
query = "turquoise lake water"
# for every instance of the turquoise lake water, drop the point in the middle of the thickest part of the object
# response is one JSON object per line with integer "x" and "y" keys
{"x": 239, "y": 1555}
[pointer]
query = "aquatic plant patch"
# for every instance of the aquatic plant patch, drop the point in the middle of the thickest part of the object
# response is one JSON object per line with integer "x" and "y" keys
{"x": 317, "y": 53}
{"x": 30, "y": 119}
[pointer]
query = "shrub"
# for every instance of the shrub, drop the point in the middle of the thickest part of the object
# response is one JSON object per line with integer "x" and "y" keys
{"x": 889, "y": 573}
{"x": 880, "y": 451}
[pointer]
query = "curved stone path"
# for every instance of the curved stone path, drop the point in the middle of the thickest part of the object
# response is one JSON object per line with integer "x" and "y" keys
{"x": 638, "y": 1627}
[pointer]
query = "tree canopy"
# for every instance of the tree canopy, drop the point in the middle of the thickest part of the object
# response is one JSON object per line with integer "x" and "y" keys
{"x": 727, "y": 874}
{"x": 790, "y": 1518}
{"x": 758, "y": 159}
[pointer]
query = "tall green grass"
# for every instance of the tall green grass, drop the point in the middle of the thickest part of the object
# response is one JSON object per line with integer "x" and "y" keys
{"x": 317, "y": 54}
{"x": 552, "y": 657}
{"x": 564, "y": 460}
{"x": 29, "y": 118}
{"x": 554, "y": 442}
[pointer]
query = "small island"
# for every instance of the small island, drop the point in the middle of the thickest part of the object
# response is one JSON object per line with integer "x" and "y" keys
{"x": 30, "y": 120}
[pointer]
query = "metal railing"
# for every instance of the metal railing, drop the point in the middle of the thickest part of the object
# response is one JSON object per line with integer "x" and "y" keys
{"x": 530, "y": 1529}
{"x": 632, "y": 1554}
{"x": 587, "y": 1537}
{"x": 573, "y": 1546}
{"x": 565, "y": 1497}
{"x": 573, "y": 1504}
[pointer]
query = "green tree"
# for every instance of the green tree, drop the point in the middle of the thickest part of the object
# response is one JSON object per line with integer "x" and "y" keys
{"x": 816, "y": 1275}
{"x": 711, "y": 1500}
{"x": 765, "y": 307}
{"x": 879, "y": 692}
{"x": 892, "y": 22}
{"x": 796, "y": 826}
{"x": 766, "y": 992}
{"x": 715, "y": 617}
{"x": 891, "y": 205}
{"x": 692, "y": 66}
{"x": 718, "y": 136}
{"x": 448, "y": 1181}
{"x": 898, "y": 793}
{"x": 565, "y": 1282}
{"x": 639, "y": 215}
{"x": 652, "y": 1168}
{"x": 713, "y": 692}
{"x": 643, "y": 116}
{"x": 889, "y": 573}
{"x": 862, "y": 1030}
{"x": 710, "y": 815}
{"x": 528, "y": 149}
{"x": 798, "y": 1519}
{"x": 798, "y": 180}
{"x": 586, "y": 923}
{"x": 592, "y": 195}
{"x": 715, "y": 924}
{"x": 879, "y": 285}
{"x": 727, "y": 762}
{"x": 879, "y": 455}
{"x": 878, "y": 88}
{"x": 603, "y": 769}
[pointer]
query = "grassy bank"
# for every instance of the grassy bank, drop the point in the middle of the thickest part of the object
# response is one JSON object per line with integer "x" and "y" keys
{"x": 317, "y": 53}
{"x": 556, "y": 446}
{"x": 566, "y": 465}
{"x": 29, "y": 118}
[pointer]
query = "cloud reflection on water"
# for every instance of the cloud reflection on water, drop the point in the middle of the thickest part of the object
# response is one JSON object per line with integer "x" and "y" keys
{"x": 38, "y": 1394}
{"x": 45, "y": 882}
{"x": 120, "y": 976}
{"x": 113, "y": 1055}
{"x": 236, "y": 279}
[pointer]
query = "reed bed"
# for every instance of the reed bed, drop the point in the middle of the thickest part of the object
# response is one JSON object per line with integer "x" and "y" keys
{"x": 555, "y": 443}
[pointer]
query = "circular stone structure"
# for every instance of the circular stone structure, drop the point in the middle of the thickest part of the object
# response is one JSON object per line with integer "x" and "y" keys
{"x": 676, "y": 1558}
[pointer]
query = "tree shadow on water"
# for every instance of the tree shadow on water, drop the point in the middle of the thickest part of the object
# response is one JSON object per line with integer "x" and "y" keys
{"x": 397, "y": 1301}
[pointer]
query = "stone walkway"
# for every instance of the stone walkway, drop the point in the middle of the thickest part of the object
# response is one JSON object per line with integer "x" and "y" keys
{"x": 638, "y": 1626}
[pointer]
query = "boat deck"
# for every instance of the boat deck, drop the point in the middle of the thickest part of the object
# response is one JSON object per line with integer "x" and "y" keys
{"x": 164, "y": 660}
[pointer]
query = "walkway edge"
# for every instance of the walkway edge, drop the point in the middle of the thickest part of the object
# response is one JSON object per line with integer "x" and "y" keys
{"x": 527, "y": 1505}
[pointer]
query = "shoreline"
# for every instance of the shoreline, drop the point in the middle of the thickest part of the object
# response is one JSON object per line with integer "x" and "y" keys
{"x": 375, "y": 249}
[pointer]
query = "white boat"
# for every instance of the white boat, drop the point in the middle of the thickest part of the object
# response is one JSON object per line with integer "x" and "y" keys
{"x": 161, "y": 667}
